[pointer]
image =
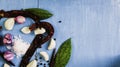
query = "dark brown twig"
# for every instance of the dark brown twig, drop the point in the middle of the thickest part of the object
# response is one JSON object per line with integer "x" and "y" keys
{"x": 52, "y": 61}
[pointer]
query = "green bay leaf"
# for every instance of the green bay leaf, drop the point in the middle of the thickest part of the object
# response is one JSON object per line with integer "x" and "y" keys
{"x": 40, "y": 13}
{"x": 63, "y": 54}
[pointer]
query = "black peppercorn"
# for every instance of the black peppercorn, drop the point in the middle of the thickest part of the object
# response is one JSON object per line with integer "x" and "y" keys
{"x": 40, "y": 63}
{"x": 44, "y": 64}
{"x": 40, "y": 58}
{"x": 48, "y": 61}
{"x": 59, "y": 21}
{"x": 54, "y": 38}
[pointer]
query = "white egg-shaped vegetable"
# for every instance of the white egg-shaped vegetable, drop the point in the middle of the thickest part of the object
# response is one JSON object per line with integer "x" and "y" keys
{"x": 9, "y": 23}
{"x": 6, "y": 65}
{"x": 26, "y": 30}
{"x": 39, "y": 31}
{"x": 32, "y": 64}
{"x": 52, "y": 44}
{"x": 44, "y": 55}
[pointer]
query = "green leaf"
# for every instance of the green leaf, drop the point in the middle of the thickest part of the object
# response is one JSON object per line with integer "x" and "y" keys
{"x": 40, "y": 13}
{"x": 63, "y": 54}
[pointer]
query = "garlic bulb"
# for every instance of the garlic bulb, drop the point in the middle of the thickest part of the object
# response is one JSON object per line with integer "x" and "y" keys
{"x": 52, "y": 44}
{"x": 44, "y": 55}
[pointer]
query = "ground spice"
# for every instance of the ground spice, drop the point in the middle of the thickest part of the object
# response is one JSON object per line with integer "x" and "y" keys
{"x": 20, "y": 46}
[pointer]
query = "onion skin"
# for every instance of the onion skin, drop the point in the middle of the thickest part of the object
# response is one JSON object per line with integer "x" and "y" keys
{"x": 20, "y": 19}
{"x": 7, "y": 39}
{"x": 8, "y": 55}
{"x": 8, "y": 35}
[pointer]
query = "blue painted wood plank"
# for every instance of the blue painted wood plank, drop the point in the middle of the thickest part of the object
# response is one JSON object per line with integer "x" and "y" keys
{"x": 11, "y": 4}
{"x": 18, "y": 4}
{"x": 93, "y": 25}
{"x": 30, "y": 3}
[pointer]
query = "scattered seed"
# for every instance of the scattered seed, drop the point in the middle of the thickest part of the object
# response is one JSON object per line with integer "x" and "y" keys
{"x": 40, "y": 58}
{"x": 48, "y": 61}
{"x": 44, "y": 64}
{"x": 54, "y": 38}
{"x": 40, "y": 63}
{"x": 59, "y": 21}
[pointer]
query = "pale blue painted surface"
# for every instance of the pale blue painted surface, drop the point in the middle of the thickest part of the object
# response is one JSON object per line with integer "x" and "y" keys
{"x": 93, "y": 25}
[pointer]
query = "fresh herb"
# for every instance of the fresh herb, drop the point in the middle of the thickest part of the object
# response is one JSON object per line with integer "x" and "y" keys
{"x": 41, "y": 13}
{"x": 63, "y": 54}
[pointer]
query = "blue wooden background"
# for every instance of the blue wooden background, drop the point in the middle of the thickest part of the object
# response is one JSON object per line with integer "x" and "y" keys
{"x": 93, "y": 25}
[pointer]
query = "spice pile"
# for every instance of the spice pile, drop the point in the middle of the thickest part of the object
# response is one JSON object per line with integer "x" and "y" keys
{"x": 19, "y": 46}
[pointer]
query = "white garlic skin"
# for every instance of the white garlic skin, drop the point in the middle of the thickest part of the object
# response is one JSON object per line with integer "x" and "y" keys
{"x": 25, "y": 30}
{"x": 32, "y": 64}
{"x": 9, "y": 23}
{"x": 52, "y": 44}
{"x": 39, "y": 31}
{"x": 44, "y": 55}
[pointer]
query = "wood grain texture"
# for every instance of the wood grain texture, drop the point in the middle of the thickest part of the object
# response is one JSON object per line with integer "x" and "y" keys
{"x": 93, "y": 25}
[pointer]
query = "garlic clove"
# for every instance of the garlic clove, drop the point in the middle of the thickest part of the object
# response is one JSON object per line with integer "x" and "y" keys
{"x": 32, "y": 64}
{"x": 39, "y": 31}
{"x": 6, "y": 65}
{"x": 44, "y": 55}
{"x": 52, "y": 44}
{"x": 9, "y": 23}
{"x": 25, "y": 30}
